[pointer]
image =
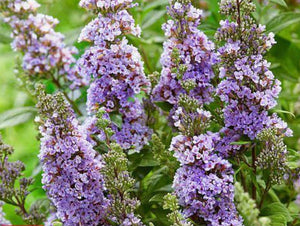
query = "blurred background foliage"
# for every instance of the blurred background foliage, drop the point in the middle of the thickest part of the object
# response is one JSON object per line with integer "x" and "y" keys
{"x": 17, "y": 109}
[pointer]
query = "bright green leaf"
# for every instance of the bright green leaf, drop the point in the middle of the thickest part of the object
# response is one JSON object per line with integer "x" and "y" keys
{"x": 152, "y": 17}
{"x": 16, "y": 116}
{"x": 284, "y": 112}
{"x": 278, "y": 220}
{"x": 240, "y": 142}
{"x": 282, "y": 21}
{"x": 279, "y": 2}
{"x": 275, "y": 210}
{"x": 156, "y": 4}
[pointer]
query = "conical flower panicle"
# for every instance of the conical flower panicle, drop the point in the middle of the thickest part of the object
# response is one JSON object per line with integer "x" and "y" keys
{"x": 204, "y": 182}
{"x": 45, "y": 54}
{"x": 248, "y": 87}
{"x": 187, "y": 59}
{"x": 116, "y": 70}
{"x": 71, "y": 167}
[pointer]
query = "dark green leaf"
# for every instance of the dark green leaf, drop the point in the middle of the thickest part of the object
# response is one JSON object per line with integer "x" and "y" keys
{"x": 157, "y": 198}
{"x": 164, "y": 105}
{"x": 117, "y": 119}
{"x": 148, "y": 162}
{"x": 167, "y": 188}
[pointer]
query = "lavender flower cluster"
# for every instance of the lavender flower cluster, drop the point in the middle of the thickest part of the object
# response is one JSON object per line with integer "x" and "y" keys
{"x": 75, "y": 176}
{"x": 187, "y": 58}
{"x": 45, "y": 54}
{"x": 204, "y": 182}
{"x": 71, "y": 167}
{"x": 116, "y": 69}
{"x": 248, "y": 87}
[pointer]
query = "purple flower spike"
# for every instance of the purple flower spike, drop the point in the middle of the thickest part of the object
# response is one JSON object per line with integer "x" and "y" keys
{"x": 71, "y": 167}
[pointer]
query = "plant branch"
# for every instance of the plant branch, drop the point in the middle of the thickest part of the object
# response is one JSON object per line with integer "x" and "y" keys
{"x": 254, "y": 171}
{"x": 56, "y": 82}
{"x": 268, "y": 186}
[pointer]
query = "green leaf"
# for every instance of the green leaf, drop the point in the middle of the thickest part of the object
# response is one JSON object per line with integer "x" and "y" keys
{"x": 240, "y": 142}
{"x": 153, "y": 177}
{"x": 5, "y": 39}
{"x": 294, "y": 209}
{"x": 148, "y": 162}
{"x": 4, "y": 32}
{"x": 156, "y": 4}
{"x": 72, "y": 35}
{"x": 157, "y": 198}
{"x": 278, "y": 220}
{"x": 164, "y": 105}
{"x": 282, "y": 21}
{"x": 16, "y": 116}
{"x": 277, "y": 212}
{"x": 273, "y": 195}
{"x": 279, "y": 2}
{"x": 166, "y": 188}
{"x": 117, "y": 119}
{"x": 284, "y": 112}
{"x": 57, "y": 223}
{"x": 152, "y": 17}
{"x": 293, "y": 159}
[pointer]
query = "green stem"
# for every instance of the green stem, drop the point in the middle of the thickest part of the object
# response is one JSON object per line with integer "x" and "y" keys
{"x": 254, "y": 171}
{"x": 268, "y": 186}
{"x": 146, "y": 60}
{"x": 56, "y": 82}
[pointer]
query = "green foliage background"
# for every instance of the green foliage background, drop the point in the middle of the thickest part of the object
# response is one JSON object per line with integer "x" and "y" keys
{"x": 17, "y": 108}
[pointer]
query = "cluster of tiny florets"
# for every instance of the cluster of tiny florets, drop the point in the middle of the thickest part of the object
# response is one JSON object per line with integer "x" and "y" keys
{"x": 104, "y": 5}
{"x": 194, "y": 150}
{"x": 71, "y": 167}
{"x": 225, "y": 146}
{"x": 119, "y": 183}
{"x": 175, "y": 217}
{"x": 191, "y": 122}
{"x": 248, "y": 87}
{"x": 273, "y": 155}
{"x": 45, "y": 53}
{"x": 122, "y": 205}
{"x": 187, "y": 59}
{"x": 204, "y": 182}
{"x": 116, "y": 69}
{"x": 207, "y": 195}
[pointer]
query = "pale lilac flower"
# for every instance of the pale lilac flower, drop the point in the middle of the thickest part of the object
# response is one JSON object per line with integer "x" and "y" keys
{"x": 116, "y": 70}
